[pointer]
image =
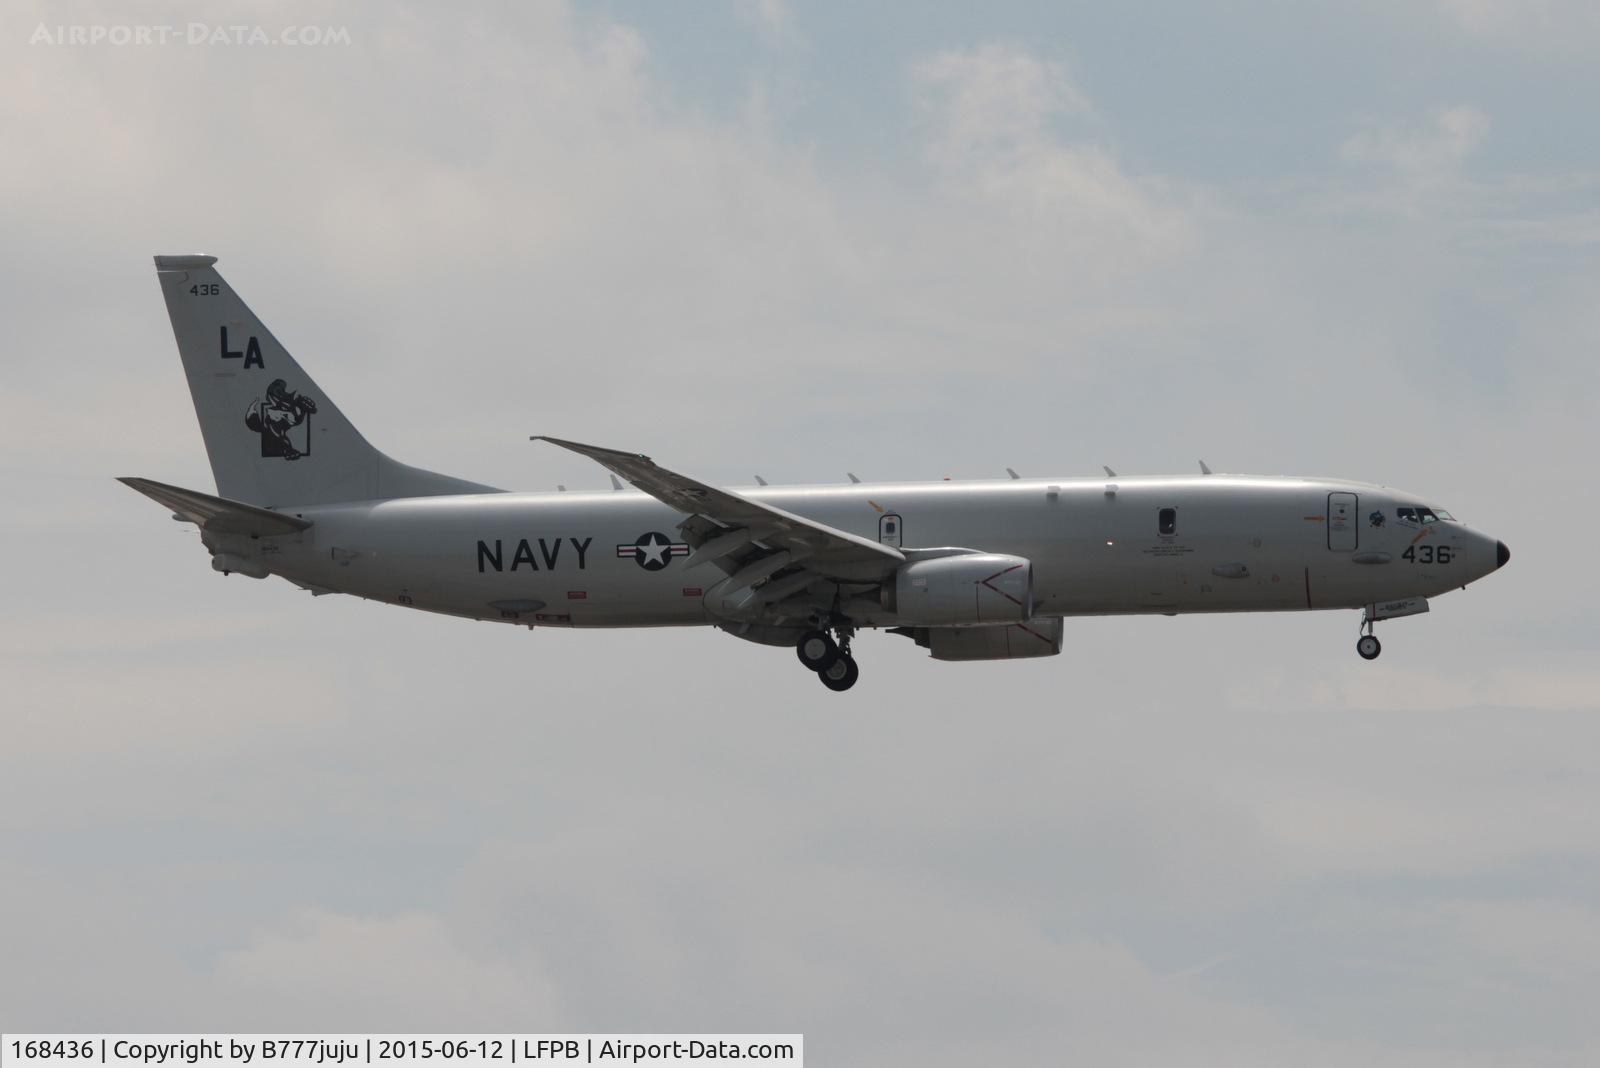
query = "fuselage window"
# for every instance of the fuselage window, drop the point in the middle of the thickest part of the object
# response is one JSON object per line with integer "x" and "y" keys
{"x": 1408, "y": 514}
{"x": 1167, "y": 521}
{"x": 1426, "y": 515}
{"x": 1446, "y": 516}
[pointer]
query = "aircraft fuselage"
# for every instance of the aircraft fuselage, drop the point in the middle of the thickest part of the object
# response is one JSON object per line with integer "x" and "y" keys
{"x": 1217, "y": 543}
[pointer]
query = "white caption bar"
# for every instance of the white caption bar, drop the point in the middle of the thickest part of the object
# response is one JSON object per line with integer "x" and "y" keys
{"x": 394, "y": 1051}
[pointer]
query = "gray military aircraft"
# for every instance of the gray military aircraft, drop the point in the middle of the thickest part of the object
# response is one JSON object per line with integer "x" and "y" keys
{"x": 968, "y": 570}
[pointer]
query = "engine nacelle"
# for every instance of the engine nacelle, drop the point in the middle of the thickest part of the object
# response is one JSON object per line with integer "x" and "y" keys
{"x": 1038, "y": 637}
{"x": 964, "y": 590}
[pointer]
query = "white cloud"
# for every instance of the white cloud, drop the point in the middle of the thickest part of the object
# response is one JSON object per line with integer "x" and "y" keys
{"x": 1423, "y": 156}
{"x": 1036, "y": 223}
{"x": 995, "y": 95}
{"x": 991, "y": 116}
{"x": 773, "y": 18}
{"x": 1569, "y": 27}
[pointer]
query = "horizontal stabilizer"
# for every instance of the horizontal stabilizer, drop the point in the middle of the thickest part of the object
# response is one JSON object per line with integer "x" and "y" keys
{"x": 215, "y": 513}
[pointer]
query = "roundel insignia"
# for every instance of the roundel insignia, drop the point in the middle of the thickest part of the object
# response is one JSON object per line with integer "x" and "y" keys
{"x": 653, "y": 551}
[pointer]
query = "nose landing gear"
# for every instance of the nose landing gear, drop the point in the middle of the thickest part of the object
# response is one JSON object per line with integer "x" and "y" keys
{"x": 1368, "y": 646}
{"x": 828, "y": 656}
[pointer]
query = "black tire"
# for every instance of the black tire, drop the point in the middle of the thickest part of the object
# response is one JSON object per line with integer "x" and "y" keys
{"x": 841, "y": 675}
{"x": 1368, "y": 647}
{"x": 816, "y": 650}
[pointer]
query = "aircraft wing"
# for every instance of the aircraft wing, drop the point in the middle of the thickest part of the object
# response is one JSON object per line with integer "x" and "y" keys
{"x": 739, "y": 524}
{"x": 217, "y": 514}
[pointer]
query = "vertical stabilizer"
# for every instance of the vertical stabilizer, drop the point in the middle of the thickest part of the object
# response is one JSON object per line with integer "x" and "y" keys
{"x": 274, "y": 438}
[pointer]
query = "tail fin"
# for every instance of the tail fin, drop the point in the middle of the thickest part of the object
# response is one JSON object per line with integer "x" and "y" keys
{"x": 273, "y": 436}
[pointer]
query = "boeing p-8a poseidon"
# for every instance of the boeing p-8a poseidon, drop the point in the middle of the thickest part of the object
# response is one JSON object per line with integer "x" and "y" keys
{"x": 968, "y": 570}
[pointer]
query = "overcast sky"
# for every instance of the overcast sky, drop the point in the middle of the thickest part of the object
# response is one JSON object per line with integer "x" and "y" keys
{"x": 1356, "y": 240}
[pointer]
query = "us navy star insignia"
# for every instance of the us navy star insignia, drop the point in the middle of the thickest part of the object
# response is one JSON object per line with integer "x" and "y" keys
{"x": 652, "y": 551}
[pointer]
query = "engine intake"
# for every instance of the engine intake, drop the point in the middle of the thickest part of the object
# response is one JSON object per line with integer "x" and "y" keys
{"x": 966, "y": 590}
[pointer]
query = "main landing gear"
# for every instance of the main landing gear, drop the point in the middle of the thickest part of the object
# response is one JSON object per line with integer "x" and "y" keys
{"x": 1368, "y": 646}
{"x": 817, "y": 651}
{"x": 830, "y": 657}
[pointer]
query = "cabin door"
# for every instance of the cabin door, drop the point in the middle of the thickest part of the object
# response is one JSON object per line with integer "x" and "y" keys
{"x": 889, "y": 530}
{"x": 1342, "y": 528}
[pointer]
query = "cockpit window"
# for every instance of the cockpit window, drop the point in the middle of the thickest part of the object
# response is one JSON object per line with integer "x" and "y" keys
{"x": 1421, "y": 513}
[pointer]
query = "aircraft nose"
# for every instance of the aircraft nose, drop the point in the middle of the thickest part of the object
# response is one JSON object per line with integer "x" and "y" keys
{"x": 1501, "y": 555}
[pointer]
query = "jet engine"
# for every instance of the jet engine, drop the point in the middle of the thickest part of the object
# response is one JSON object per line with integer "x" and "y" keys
{"x": 965, "y": 590}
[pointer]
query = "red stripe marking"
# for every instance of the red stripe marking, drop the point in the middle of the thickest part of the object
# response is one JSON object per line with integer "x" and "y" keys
{"x": 577, "y": 595}
{"x": 1029, "y": 630}
{"x": 1003, "y": 593}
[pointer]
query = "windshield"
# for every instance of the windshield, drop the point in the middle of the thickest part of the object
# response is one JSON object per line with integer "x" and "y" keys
{"x": 1421, "y": 513}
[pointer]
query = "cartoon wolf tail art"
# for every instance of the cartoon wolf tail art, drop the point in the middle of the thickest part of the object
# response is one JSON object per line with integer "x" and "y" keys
{"x": 279, "y": 412}
{"x": 274, "y": 437}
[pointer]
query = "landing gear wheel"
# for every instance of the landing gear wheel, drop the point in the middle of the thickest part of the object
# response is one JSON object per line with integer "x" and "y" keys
{"x": 1369, "y": 647}
{"x": 841, "y": 674}
{"x": 816, "y": 650}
